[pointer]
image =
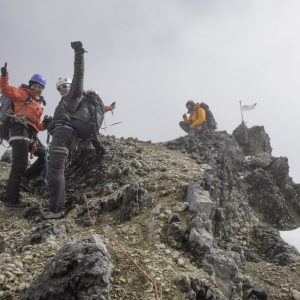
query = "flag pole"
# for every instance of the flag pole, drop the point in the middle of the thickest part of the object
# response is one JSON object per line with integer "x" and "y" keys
{"x": 241, "y": 111}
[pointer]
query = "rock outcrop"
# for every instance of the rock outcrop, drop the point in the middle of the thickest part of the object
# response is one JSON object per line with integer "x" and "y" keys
{"x": 200, "y": 214}
{"x": 80, "y": 270}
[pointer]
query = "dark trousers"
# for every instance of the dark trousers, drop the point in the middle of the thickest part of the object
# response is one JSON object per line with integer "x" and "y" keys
{"x": 20, "y": 149}
{"x": 192, "y": 131}
{"x": 184, "y": 126}
{"x": 63, "y": 139}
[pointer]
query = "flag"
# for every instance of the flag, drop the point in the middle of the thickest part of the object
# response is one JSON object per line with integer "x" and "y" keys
{"x": 248, "y": 107}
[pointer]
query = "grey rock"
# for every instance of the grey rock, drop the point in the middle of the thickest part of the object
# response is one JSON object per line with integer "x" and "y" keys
{"x": 80, "y": 270}
{"x": 260, "y": 160}
{"x": 253, "y": 140}
{"x": 267, "y": 199}
{"x": 46, "y": 232}
{"x": 193, "y": 289}
{"x": 267, "y": 242}
{"x": 6, "y": 156}
{"x": 199, "y": 200}
{"x": 200, "y": 241}
{"x": 130, "y": 201}
{"x": 279, "y": 168}
{"x": 226, "y": 274}
{"x": 253, "y": 292}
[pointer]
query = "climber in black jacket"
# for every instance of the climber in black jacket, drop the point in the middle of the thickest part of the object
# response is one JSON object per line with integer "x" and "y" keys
{"x": 64, "y": 135}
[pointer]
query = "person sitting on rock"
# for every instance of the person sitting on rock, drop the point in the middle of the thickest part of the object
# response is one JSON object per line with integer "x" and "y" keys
{"x": 196, "y": 120}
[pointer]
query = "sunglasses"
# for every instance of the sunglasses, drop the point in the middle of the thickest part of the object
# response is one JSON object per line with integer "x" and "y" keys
{"x": 36, "y": 85}
{"x": 63, "y": 86}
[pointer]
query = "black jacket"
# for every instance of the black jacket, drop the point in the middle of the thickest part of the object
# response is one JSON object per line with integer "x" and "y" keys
{"x": 69, "y": 104}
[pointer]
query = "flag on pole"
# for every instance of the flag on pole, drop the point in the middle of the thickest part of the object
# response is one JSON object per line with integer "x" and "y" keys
{"x": 248, "y": 107}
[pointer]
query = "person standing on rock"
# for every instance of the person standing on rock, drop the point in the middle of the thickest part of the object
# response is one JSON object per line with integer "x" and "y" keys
{"x": 196, "y": 119}
{"x": 28, "y": 107}
{"x": 67, "y": 125}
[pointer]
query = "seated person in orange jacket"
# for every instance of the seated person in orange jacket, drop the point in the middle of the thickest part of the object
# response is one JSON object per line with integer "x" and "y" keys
{"x": 25, "y": 124}
{"x": 196, "y": 118}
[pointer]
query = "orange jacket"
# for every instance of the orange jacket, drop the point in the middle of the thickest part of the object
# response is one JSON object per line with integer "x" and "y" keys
{"x": 32, "y": 110}
{"x": 197, "y": 117}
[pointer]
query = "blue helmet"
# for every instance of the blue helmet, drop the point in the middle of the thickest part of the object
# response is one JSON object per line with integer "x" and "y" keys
{"x": 38, "y": 78}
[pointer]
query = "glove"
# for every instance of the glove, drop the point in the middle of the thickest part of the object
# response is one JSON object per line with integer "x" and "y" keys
{"x": 77, "y": 46}
{"x": 184, "y": 116}
{"x": 113, "y": 105}
{"x": 4, "y": 70}
{"x": 46, "y": 121}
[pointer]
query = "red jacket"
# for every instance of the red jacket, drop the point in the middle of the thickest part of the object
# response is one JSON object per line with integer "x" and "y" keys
{"x": 32, "y": 110}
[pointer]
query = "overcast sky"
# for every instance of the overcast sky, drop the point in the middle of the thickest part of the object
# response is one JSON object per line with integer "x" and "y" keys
{"x": 152, "y": 56}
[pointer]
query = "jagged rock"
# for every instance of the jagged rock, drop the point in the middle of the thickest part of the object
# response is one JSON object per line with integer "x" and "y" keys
{"x": 252, "y": 292}
{"x": 253, "y": 140}
{"x": 266, "y": 198}
{"x": 226, "y": 274}
{"x": 6, "y": 156}
{"x": 176, "y": 231}
{"x": 269, "y": 245}
{"x": 260, "y": 160}
{"x": 199, "y": 200}
{"x": 80, "y": 270}
{"x": 200, "y": 241}
{"x": 194, "y": 289}
{"x": 46, "y": 232}
{"x": 279, "y": 168}
{"x": 212, "y": 243}
{"x": 130, "y": 201}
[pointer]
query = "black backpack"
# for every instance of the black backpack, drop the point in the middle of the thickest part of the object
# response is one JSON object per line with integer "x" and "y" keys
{"x": 5, "y": 112}
{"x": 88, "y": 118}
{"x": 210, "y": 120}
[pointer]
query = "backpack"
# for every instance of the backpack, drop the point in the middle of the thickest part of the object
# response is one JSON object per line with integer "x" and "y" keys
{"x": 88, "y": 117}
{"x": 5, "y": 112}
{"x": 210, "y": 120}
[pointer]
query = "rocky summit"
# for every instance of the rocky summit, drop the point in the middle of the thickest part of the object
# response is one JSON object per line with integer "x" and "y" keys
{"x": 199, "y": 216}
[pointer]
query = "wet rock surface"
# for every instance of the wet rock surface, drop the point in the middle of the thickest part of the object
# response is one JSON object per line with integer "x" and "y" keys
{"x": 200, "y": 214}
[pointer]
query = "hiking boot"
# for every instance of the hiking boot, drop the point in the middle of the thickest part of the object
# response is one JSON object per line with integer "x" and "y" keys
{"x": 18, "y": 204}
{"x": 51, "y": 215}
{"x": 25, "y": 185}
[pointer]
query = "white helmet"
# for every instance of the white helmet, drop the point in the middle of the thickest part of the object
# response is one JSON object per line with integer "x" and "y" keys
{"x": 63, "y": 80}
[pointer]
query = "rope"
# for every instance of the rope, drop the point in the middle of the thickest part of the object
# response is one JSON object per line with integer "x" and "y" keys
{"x": 121, "y": 249}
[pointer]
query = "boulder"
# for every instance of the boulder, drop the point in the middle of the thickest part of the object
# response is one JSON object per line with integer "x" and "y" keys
{"x": 199, "y": 200}
{"x": 80, "y": 270}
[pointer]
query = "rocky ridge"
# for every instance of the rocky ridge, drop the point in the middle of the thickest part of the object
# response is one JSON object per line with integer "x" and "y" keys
{"x": 200, "y": 214}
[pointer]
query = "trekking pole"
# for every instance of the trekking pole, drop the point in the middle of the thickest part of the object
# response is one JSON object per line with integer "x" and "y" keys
{"x": 111, "y": 125}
